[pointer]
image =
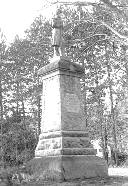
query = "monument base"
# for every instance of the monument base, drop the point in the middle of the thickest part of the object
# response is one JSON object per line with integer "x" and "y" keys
{"x": 68, "y": 167}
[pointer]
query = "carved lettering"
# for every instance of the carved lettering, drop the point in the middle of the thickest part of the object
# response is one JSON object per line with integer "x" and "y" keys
{"x": 72, "y": 103}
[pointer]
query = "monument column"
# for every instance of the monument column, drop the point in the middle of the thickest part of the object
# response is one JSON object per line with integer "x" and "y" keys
{"x": 64, "y": 151}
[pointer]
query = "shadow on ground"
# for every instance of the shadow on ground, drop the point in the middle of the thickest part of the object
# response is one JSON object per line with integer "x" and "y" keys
{"x": 110, "y": 181}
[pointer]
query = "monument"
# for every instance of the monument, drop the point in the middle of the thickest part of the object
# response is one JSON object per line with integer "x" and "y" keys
{"x": 64, "y": 151}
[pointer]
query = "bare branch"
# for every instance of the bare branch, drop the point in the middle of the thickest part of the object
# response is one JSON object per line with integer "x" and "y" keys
{"x": 81, "y": 3}
{"x": 90, "y": 47}
{"x": 114, "y": 31}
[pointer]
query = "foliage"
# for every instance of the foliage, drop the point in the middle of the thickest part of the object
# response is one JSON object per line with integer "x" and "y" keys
{"x": 18, "y": 142}
{"x": 95, "y": 36}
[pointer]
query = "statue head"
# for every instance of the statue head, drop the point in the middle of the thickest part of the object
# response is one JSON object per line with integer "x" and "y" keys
{"x": 57, "y": 21}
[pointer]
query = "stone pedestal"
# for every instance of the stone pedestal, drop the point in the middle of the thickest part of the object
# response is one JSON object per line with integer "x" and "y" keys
{"x": 64, "y": 151}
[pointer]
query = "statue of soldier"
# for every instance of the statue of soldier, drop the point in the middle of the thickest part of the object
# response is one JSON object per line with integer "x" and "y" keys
{"x": 57, "y": 31}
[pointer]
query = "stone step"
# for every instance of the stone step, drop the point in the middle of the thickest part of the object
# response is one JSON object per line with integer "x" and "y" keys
{"x": 65, "y": 151}
{"x": 64, "y": 142}
{"x": 68, "y": 167}
{"x": 55, "y": 134}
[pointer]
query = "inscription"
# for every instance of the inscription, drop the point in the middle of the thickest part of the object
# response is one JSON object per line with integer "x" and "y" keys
{"x": 51, "y": 105}
{"x": 72, "y": 103}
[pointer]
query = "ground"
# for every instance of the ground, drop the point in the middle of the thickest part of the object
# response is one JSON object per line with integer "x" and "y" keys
{"x": 117, "y": 177}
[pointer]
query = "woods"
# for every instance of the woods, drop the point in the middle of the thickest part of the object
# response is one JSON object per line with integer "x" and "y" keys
{"x": 95, "y": 36}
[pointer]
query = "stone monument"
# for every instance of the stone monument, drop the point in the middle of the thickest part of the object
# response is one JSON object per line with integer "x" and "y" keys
{"x": 64, "y": 151}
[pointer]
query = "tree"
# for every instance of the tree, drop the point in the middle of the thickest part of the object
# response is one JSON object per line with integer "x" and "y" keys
{"x": 2, "y": 58}
{"x": 93, "y": 37}
{"x": 19, "y": 143}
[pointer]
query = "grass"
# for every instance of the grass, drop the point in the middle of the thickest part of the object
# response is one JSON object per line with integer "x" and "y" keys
{"x": 117, "y": 177}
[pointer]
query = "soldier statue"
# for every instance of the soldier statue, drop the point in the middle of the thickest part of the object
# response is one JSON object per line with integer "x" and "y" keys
{"x": 57, "y": 32}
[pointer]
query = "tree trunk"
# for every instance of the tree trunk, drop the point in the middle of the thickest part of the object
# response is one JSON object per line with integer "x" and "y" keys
{"x": 100, "y": 111}
{"x": 16, "y": 151}
{"x": 79, "y": 9}
{"x": 126, "y": 68}
{"x": 23, "y": 107}
{"x": 85, "y": 95}
{"x": 106, "y": 140}
{"x": 17, "y": 96}
{"x": 23, "y": 112}
{"x": 39, "y": 110}
{"x": 1, "y": 120}
{"x": 39, "y": 115}
{"x": 112, "y": 114}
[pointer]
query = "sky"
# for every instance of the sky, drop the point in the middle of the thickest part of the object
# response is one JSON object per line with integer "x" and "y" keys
{"x": 17, "y": 15}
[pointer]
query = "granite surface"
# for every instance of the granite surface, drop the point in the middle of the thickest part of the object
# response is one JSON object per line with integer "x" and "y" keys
{"x": 62, "y": 133}
{"x": 65, "y": 168}
{"x": 64, "y": 142}
{"x": 62, "y": 104}
{"x": 51, "y": 105}
{"x": 64, "y": 151}
{"x": 72, "y": 115}
{"x": 62, "y": 65}
{"x": 76, "y": 142}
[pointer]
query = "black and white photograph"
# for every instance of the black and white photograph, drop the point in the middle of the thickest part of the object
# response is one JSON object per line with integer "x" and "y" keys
{"x": 63, "y": 92}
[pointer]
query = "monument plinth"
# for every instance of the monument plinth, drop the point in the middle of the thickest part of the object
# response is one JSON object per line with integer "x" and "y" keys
{"x": 64, "y": 151}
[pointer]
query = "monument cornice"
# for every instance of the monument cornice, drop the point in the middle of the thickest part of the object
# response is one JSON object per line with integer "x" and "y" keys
{"x": 61, "y": 64}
